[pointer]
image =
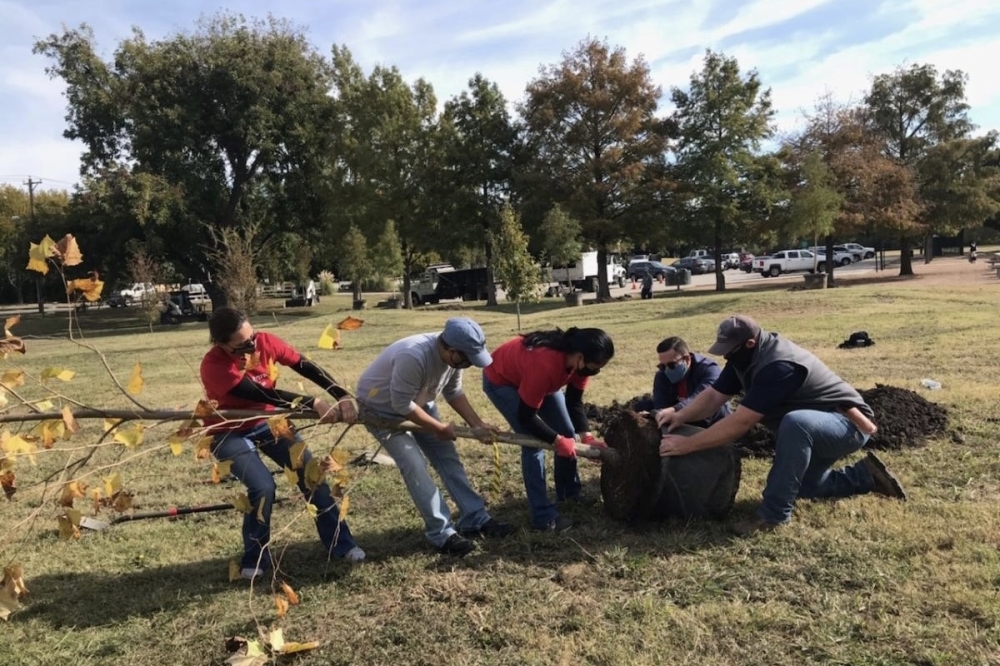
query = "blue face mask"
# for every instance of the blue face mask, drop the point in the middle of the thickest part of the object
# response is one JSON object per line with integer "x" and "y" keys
{"x": 676, "y": 373}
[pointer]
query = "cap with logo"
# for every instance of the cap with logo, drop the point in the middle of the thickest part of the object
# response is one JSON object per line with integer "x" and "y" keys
{"x": 734, "y": 332}
{"x": 466, "y": 336}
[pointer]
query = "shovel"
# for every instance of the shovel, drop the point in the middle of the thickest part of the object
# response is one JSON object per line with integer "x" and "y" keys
{"x": 96, "y": 525}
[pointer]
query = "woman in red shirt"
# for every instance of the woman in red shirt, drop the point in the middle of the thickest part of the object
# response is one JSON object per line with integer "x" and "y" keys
{"x": 228, "y": 379}
{"x": 525, "y": 383}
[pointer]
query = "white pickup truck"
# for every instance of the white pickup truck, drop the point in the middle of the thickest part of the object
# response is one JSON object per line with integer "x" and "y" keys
{"x": 787, "y": 261}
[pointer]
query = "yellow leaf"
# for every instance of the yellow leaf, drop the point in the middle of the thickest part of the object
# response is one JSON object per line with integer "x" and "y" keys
{"x": 280, "y": 427}
{"x": 69, "y": 420}
{"x": 330, "y": 338}
{"x": 277, "y": 640}
{"x": 69, "y": 524}
{"x": 291, "y": 648}
{"x": 314, "y": 473}
{"x": 8, "y": 604}
{"x": 290, "y": 594}
{"x": 312, "y": 509}
{"x": 251, "y": 361}
{"x": 281, "y": 605}
{"x": 13, "y": 581}
{"x": 176, "y": 441}
{"x": 10, "y": 323}
{"x": 95, "y": 496}
{"x": 110, "y": 424}
{"x": 12, "y": 378}
{"x": 241, "y": 502}
{"x": 272, "y": 370}
{"x": 68, "y": 251}
{"x": 135, "y": 381}
{"x": 90, "y": 287}
{"x": 44, "y": 405}
{"x": 260, "y": 511}
{"x": 8, "y": 463}
{"x": 221, "y": 470}
{"x": 48, "y": 431}
{"x": 8, "y": 481}
{"x": 71, "y": 491}
{"x": 131, "y": 436}
{"x": 340, "y": 456}
{"x": 203, "y": 448}
{"x": 15, "y": 446}
{"x": 372, "y": 393}
{"x": 234, "y": 571}
{"x": 57, "y": 373}
{"x": 345, "y": 504}
{"x": 112, "y": 484}
{"x": 291, "y": 476}
{"x": 39, "y": 254}
{"x": 297, "y": 453}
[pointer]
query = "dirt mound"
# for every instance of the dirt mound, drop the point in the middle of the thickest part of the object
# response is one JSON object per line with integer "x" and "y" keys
{"x": 905, "y": 419}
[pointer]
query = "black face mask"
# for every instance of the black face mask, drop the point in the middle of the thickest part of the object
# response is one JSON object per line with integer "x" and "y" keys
{"x": 741, "y": 357}
{"x": 587, "y": 372}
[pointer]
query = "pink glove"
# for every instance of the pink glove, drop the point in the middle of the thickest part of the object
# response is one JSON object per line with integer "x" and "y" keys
{"x": 565, "y": 447}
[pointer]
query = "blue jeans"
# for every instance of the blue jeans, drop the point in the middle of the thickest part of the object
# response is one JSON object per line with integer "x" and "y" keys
{"x": 408, "y": 450}
{"x": 251, "y": 470}
{"x": 808, "y": 444}
{"x": 567, "y": 479}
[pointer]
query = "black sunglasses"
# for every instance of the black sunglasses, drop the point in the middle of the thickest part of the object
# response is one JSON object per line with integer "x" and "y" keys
{"x": 669, "y": 366}
{"x": 247, "y": 346}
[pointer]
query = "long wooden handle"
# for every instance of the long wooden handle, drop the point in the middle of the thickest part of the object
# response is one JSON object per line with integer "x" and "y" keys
{"x": 502, "y": 437}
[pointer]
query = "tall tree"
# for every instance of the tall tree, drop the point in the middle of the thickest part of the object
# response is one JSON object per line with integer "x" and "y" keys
{"x": 387, "y": 158}
{"x": 815, "y": 203}
{"x": 514, "y": 266}
{"x": 235, "y": 115}
{"x": 917, "y": 112}
{"x": 593, "y": 136}
{"x": 722, "y": 119}
{"x": 480, "y": 152}
{"x": 560, "y": 239}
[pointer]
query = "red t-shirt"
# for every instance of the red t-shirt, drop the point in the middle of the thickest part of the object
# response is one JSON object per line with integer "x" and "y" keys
{"x": 221, "y": 371}
{"x": 536, "y": 371}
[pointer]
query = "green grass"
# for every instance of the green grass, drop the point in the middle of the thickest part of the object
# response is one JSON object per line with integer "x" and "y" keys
{"x": 858, "y": 581}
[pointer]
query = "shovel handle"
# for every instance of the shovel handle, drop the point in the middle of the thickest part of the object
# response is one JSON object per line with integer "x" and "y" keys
{"x": 172, "y": 511}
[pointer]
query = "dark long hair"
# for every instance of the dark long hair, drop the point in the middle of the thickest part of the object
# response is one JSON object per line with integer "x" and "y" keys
{"x": 223, "y": 323}
{"x": 595, "y": 345}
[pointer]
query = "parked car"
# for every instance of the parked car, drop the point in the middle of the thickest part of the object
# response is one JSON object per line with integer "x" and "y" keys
{"x": 697, "y": 265}
{"x": 134, "y": 292}
{"x": 787, "y": 261}
{"x": 866, "y": 252}
{"x": 660, "y": 271}
{"x": 730, "y": 260}
{"x": 746, "y": 262}
{"x": 842, "y": 257}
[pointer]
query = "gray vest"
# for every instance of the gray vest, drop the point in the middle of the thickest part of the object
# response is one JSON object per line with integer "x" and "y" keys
{"x": 822, "y": 389}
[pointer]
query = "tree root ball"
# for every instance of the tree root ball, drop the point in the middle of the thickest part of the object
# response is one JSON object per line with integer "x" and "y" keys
{"x": 642, "y": 486}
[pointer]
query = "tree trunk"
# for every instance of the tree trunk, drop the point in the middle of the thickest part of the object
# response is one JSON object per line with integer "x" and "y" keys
{"x": 905, "y": 260}
{"x": 830, "y": 263}
{"x": 407, "y": 290}
{"x": 603, "y": 288}
{"x": 928, "y": 248}
{"x": 356, "y": 286}
{"x": 40, "y": 296}
{"x": 517, "y": 306}
{"x": 720, "y": 276}
{"x": 491, "y": 284}
{"x": 217, "y": 295}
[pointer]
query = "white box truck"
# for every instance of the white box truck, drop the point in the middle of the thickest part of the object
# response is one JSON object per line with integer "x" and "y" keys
{"x": 583, "y": 274}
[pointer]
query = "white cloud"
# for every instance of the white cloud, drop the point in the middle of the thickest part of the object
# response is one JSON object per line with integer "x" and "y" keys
{"x": 447, "y": 42}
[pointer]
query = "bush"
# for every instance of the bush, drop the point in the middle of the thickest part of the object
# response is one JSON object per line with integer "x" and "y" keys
{"x": 328, "y": 286}
{"x": 378, "y": 284}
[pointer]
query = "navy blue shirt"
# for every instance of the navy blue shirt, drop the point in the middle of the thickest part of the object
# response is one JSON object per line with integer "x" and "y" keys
{"x": 770, "y": 387}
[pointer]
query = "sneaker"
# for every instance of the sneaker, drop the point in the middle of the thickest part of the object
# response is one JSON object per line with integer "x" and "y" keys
{"x": 457, "y": 545}
{"x": 885, "y": 483}
{"x": 558, "y": 524}
{"x": 492, "y": 528}
{"x": 750, "y": 526}
{"x": 250, "y": 573}
{"x": 354, "y": 555}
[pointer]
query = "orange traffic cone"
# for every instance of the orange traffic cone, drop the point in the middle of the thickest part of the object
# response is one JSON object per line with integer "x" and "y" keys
{"x": 633, "y": 285}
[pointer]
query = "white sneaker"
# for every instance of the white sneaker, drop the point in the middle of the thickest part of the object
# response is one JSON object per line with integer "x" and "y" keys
{"x": 251, "y": 573}
{"x": 354, "y": 555}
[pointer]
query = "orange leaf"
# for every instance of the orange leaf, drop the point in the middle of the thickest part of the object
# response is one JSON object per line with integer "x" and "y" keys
{"x": 349, "y": 323}
{"x": 69, "y": 419}
{"x": 71, "y": 491}
{"x": 91, "y": 287}
{"x": 9, "y": 483}
{"x": 10, "y": 323}
{"x": 205, "y": 408}
{"x": 11, "y": 344}
{"x": 281, "y": 604}
{"x": 251, "y": 361}
{"x": 293, "y": 598}
{"x": 95, "y": 495}
{"x": 280, "y": 427}
{"x": 68, "y": 250}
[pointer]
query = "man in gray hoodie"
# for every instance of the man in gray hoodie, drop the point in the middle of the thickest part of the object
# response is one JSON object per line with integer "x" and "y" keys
{"x": 403, "y": 383}
{"x": 816, "y": 416}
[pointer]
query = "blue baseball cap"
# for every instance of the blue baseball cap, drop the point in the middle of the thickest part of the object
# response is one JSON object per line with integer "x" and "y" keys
{"x": 467, "y": 336}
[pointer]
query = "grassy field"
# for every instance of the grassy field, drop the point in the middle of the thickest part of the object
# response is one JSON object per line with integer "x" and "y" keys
{"x": 859, "y": 581}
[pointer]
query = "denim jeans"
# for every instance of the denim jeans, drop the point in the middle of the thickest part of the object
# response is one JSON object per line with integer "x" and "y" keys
{"x": 408, "y": 450}
{"x": 567, "y": 479}
{"x": 808, "y": 444}
{"x": 251, "y": 470}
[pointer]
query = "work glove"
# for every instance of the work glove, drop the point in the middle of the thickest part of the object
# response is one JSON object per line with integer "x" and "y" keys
{"x": 565, "y": 447}
{"x": 590, "y": 440}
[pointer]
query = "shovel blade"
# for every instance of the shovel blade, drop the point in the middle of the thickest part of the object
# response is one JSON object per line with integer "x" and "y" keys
{"x": 89, "y": 523}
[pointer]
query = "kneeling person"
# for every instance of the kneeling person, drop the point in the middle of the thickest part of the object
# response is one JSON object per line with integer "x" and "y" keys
{"x": 680, "y": 377}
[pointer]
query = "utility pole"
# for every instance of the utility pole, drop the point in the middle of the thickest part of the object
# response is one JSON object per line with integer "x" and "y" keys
{"x": 31, "y": 208}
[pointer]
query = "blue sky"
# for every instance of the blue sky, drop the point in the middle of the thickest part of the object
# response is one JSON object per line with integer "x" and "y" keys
{"x": 801, "y": 48}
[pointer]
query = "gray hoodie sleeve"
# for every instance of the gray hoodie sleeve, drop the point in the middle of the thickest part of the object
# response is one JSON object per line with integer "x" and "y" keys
{"x": 404, "y": 385}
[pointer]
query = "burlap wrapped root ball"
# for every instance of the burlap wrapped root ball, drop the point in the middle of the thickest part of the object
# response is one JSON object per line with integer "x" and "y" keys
{"x": 642, "y": 486}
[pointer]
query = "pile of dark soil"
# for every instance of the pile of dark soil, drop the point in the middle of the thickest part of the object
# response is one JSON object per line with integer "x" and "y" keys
{"x": 905, "y": 419}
